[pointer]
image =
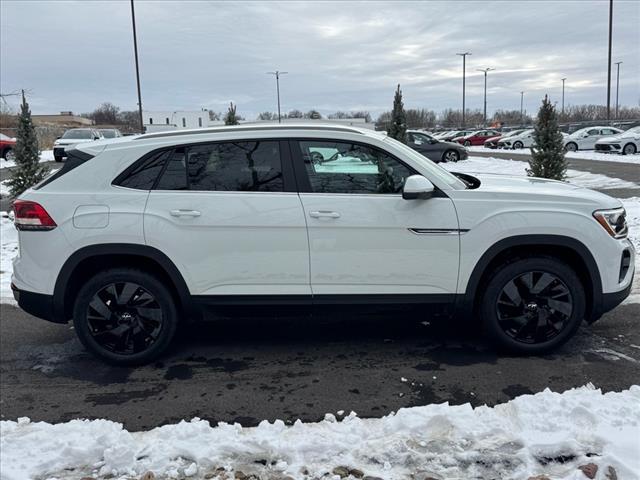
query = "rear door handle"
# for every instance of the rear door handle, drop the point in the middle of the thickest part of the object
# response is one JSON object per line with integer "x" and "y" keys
{"x": 324, "y": 214}
{"x": 185, "y": 213}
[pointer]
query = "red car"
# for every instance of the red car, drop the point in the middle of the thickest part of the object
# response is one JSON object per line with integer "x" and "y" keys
{"x": 476, "y": 138}
{"x": 6, "y": 147}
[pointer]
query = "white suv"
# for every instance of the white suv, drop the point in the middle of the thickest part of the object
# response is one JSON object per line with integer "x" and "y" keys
{"x": 136, "y": 235}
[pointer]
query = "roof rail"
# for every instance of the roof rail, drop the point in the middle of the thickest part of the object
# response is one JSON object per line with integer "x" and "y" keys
{"x": 246, "y": 128}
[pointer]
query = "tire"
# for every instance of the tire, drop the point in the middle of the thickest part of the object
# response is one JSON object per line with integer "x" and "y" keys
{"x": 571, "y": 147}
{"x": 518, "y": 145}
{"x": 467, "y": 143}
{"x": 512, "y": 312}
{"x": 9, "y": 155}
{"x": 629, "y": 149}
{"x": 450, "y": 156}
{"x": 125, "y": 300}
{"x": 57, "y": 158}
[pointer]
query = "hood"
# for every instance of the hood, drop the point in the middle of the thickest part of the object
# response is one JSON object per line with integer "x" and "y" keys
{"x": 451, "y": 144}
{"x": 541, "y": 189}
{"x": 71, "y": 141}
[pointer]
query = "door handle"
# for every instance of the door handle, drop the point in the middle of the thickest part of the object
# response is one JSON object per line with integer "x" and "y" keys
{"x": 324, "y": 214}
{"x": 185, "y": 213}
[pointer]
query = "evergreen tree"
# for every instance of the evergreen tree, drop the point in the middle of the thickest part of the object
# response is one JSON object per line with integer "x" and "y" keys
{"x": 231, "y": 118}
{"x": 547, "y": 153}
{"x": 398, "y": 126}
{"x": 28, "y": 170}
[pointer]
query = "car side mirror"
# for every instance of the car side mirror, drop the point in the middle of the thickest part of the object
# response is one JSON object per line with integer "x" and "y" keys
{"x": 417, "y": 142}
{"x": 96, "y": 138}
{"x": 58, "y": 138}
{"x": 417, "y": 187}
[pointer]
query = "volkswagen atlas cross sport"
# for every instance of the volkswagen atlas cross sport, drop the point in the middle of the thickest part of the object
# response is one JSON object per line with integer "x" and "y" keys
{"x": 136, "y": 235}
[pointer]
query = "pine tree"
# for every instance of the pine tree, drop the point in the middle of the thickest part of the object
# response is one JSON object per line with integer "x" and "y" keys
{"x": 547, "y": 153}
{"x": 231, "y": 118}
{"x": 398, "y": 127}
{"x": 28, "y": 170}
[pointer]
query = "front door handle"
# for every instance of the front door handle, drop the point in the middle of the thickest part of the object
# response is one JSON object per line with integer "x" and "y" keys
{"x": 324, "y": 214}
{"x": 185, "y": 213}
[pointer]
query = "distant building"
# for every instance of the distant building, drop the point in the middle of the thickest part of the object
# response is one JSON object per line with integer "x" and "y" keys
{"x": 176, "y": 120}
{"x": 63, "y": 119}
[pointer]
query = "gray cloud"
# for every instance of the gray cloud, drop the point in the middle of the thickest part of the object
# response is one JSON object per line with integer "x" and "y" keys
{"x": 340, "y": 55}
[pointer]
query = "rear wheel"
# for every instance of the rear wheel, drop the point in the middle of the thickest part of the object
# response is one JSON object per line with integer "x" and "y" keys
{"x": 467, "y": 143}
{"x": 518, "y": 145}
{"x": 9, "y": 155}
{"x": 571, "y": 147}
{"x": 125, "y": 316}
{"x": 532, "y": 305}
{"x": 629, "y": 149}
{"x": 450, "y": 156}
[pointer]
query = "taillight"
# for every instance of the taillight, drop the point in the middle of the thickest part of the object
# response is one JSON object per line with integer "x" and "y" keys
{"x": 31, "y": 216}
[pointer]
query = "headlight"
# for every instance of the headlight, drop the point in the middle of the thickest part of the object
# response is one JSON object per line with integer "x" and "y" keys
{"x": 614, "y": 221}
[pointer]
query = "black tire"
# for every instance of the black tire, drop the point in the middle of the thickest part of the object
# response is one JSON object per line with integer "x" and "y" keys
{"x": 516, "y": 325}
{"x": 467, "y": 143}
{"x": 144, "y": 319}
{"x": 9, "y": 155}
{"x": 517, "y": 145}
{"x": 571, "y": 147}
{"x": 629, "y": 151}
{"x": 450, "y": 156}
{"x": 57, "y": 158}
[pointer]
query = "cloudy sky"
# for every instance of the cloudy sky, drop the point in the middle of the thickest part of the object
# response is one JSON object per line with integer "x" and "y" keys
{"x": 73, "y": 55}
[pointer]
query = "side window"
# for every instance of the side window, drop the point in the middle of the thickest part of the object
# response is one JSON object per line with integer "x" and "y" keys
{"x": 235, "y": 167}
{"x": 174, "y": 176}
{"x": 144, "y": 175}
{"x": 608, "y": 131}
{"x": 336, "y": 167}
{"x": 594, "y": 131}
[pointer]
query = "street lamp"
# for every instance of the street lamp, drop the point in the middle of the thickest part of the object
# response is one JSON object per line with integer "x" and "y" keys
{"x": 617, "y": 86}
{"x": 277, "y": 75}
{"x": 135, "y": 50}
{"x": 521, "y": 109}
{"x": 485, "y": 70}
{"x": 464, "y": 67}
{"x": 563, "y": 95}
{"x": 609, "y": 61}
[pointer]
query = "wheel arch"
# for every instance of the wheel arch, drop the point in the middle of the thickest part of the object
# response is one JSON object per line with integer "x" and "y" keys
{"x": 85, "y": 262}
{"x": 568, "y": 249}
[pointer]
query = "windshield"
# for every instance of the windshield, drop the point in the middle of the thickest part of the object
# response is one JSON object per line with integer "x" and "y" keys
{"x": 512, "y": 133}
{"x": 634, "y": 130}
{"x": 108, "y": 133}
{"x": 434, "y": 169}
{"x": 81, "y": 134}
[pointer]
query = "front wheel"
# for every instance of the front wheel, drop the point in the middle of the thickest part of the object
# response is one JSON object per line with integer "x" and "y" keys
{"x": 518, "y": 145}
{"x": 57, "y": 158}
{"x": 451, "y": 156}
{"x": 571, "y": 147}
{"x": 125, "y": 316}
{"x": 629, "y": 149}
{"x": 467, "y": 143}
{"x": 532, "y": 305}
{"x": 9, "y": 155}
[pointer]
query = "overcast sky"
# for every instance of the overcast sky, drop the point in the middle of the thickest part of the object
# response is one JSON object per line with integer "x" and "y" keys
{"x": 339, "y": 55}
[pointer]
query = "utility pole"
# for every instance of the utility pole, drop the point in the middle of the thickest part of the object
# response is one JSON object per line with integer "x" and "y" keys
{"x": 135, "y": 50}
{"x": 485, "y": 70}
{"x": 521, "y": 108}
{"x": 563, "y": 95}
{"x": 617, "y": 86}
{"x": 609, "y": 61}
{"x": 464, "y": 67}
{"x": 277, "y": 75}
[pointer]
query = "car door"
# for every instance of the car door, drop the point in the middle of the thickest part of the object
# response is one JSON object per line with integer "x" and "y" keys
{"x": 588, "y": 142}
{"x": 229, "y": 216}
{"x": 427, "y": 146}
{"x": 364, "y": 238}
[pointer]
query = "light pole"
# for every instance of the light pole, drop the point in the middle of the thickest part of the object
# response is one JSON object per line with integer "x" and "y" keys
{"x": 563, "y": 95}
{"x": 485, "y": 70}
{"x": 464, "y": 67}
{"x": 277, "y": 75}
{"x": 521, "y": 108}
{"x": 617, "y": 86}
{"x": 609, "y": 61}
{"x": 135, "y": 50}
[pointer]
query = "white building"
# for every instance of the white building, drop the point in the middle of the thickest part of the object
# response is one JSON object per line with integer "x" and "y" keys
{"x": 176, "y": 120}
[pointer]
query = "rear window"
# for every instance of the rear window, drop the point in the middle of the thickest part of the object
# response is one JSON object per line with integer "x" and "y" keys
{"x": 144, "y": 175}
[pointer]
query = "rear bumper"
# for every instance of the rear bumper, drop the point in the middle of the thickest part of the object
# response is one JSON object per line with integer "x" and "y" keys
{"x": 36, "y": 304}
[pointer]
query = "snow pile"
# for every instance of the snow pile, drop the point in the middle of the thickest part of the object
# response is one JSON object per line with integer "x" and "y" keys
{"x": 45, "y": 156}
{"x": 580, "y": 155}
{"x": 632, "y": 206}
{"x": 8, "y": 250}
{"x": 546, "y": 433}
{"x": 518, "y": 168}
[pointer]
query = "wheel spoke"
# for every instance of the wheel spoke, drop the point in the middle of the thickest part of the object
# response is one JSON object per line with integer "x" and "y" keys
{"x": 543, "y": 282}
{"x": 512, "y": 293}
{"x": 127, "y": 292}
{"x": 100, "y": 307}
{"x": 562, "y": 307}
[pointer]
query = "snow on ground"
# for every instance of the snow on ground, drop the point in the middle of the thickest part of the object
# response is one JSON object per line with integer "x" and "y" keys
{"x": 546, "y": 433}
{"x": 8, "y": 250}
{"x": 632, "y": 206}
{"x": 584, "y": 154}
{"x": 518, "y": 168}
{"x": 45, "y": 156}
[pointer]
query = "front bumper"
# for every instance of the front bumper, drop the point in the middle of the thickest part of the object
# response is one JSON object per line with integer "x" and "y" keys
{"x": 36, "y": 304}
{"x": 464, "y": 154}
{"x": 608, "y": 147}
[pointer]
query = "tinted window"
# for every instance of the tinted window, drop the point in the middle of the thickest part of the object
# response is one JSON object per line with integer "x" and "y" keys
{"x": 336, "y": 167}
{"x": 144, "y": 175}
{"x": 174, "y": 176}
{"x": 79, "y": 134}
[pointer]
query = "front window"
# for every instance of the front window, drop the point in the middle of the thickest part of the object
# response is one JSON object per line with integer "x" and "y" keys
{"x": 78, "y": 134}
{"x": 108, "y": 133}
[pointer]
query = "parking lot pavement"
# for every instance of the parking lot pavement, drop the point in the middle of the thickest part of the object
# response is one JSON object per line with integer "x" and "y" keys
{"x": 246, "y": 371}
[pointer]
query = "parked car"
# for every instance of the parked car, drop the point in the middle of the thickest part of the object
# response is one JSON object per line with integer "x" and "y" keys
{"x": 454, "y": 134}
{"x": 73, "y": 137}
{"x": 434, "y": 149}
{"x": 475, "y": 138}
{"x": 139, "y": 234}
{"x": 7, "y": 146}
{"x": 626, "y": 142}
{"x": 492, "y": 142}
{"x": 110, "y": 132}
{"x": 523, "y": 139}
{"x": 586, "y": 138}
